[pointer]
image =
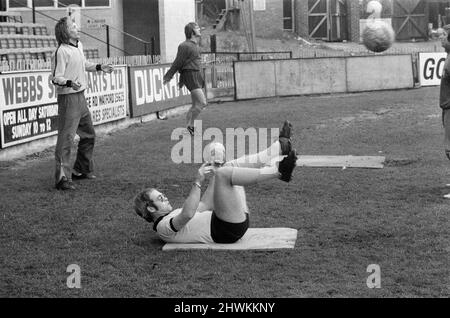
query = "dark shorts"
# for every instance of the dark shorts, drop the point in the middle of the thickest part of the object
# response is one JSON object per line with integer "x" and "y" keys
{"x": 192, "y": 80}
{"x": 226, "y": 232}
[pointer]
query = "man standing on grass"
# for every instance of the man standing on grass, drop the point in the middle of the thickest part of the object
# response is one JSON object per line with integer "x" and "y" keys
{"x": 444, "y": 97}
{"x": 187, "y": 62}
{"x": 69, "y": 68}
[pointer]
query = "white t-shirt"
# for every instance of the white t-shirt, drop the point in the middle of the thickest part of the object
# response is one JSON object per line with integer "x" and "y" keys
{"x": 197, "y": 230}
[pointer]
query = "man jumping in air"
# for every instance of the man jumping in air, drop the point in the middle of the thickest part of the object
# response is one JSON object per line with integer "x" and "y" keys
{"x": 221, "y": 215}
{"x": 187, "y": 62}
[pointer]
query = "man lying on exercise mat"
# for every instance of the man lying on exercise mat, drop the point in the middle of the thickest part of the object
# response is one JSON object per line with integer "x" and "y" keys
{"x": 221, "y": 215}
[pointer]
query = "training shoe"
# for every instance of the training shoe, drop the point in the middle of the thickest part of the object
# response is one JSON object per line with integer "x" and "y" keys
{"x": 160, "y": 116}
{"x": 82, "y": 176}
{"x": 285, "y": 138}
{"x": 287, "y": 165}
{"x": 191, "y": 130}
{"x": 64, "y": 184}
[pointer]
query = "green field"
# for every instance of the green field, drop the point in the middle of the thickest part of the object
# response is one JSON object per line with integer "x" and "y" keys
{"x": 395, "y": 217}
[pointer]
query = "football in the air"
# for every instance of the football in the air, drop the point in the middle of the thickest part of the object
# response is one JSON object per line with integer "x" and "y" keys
{"x": 214, "y": 153}
{"x": 378, "y": 36}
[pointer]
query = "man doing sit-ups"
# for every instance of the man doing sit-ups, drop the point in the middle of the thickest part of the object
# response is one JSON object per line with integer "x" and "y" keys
{"x": 221, "y": 215}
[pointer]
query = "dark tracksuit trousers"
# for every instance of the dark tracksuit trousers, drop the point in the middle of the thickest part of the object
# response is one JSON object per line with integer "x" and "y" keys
{"x": 74, "y": 118}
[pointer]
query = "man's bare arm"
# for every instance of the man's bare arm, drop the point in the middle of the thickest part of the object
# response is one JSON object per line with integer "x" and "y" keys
{"x": 192, "y": 202}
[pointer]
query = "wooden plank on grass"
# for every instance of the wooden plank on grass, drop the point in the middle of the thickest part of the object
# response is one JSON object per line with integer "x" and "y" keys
{"x": 254, "y": 239}
{"x": 372, "y": 162}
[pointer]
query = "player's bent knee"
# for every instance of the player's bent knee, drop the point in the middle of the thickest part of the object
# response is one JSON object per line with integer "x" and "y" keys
{"x": 197, "y": 109}
{"x": 224, "y": 173}
{"x": 229, "y": 164}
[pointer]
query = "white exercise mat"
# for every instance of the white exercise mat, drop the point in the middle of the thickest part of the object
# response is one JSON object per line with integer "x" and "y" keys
{"x": 374, "y": 162}
{"x": 254, "y": 239}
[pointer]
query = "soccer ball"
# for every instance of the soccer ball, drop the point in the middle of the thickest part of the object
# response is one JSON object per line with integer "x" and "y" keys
{"x": 378, "y": 36}
{"x": 214, "y": 153}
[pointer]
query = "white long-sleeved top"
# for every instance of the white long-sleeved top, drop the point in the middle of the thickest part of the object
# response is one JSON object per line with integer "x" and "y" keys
{"x": 70, "y": 64}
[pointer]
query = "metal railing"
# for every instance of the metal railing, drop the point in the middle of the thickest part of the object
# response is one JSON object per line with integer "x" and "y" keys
{"x": 362, "y": 51}
{"x": 218, "y": 67}
{"x": 45, "y": 64}
{"x": 24, "y": 65}
{"x": 135, "y": 60}
{"x": 229, "y": 57}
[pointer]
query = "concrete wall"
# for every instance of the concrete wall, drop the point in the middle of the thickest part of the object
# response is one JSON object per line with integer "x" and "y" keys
{"x": 173, "y": 16}
{"x": 322, "y": 76}
{"x": 113, "y": 17}
{"x": 310, "y": 76}
{"x": 246, "y": 85}
{"x": 379, "y": 72}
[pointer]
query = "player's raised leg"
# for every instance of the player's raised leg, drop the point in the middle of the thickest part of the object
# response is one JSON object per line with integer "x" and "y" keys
{"x": 228, "y": 205}
{"x": 281, "y": 147}
{"x": 207, "y": 200}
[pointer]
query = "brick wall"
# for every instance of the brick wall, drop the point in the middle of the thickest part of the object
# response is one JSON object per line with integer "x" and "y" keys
{"x": 301, "y": 18}
{"x": 353, "y": 20}
{"x": 269, "y": 23}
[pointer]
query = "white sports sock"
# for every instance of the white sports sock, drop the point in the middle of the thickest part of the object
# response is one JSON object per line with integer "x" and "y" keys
{"x": 260, "y": 159}
{"x": 247, "y": 176}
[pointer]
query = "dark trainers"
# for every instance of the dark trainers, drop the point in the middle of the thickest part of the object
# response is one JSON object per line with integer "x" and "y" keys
{"x": 161, "y": 116}
{"x": 287, "y": 165}
{"x": 191, "y": 130}
{"x": 285, "y": 138}
{"x": 64, "y": 184}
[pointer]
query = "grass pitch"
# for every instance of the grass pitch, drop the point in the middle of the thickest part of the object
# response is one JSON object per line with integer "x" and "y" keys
{"x": 395, "y": 217}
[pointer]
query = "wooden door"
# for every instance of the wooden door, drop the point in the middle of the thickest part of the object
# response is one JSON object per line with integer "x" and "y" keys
{"x": 338, "y": 21}
{"x": 327, "y": 20}
{"x": 318, "y": 19}
{"x": 409, "y": 19}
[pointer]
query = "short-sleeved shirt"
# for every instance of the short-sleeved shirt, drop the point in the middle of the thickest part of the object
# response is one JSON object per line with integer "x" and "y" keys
{"x": 197, "y": 230}
{"x": 444, "y": 96}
